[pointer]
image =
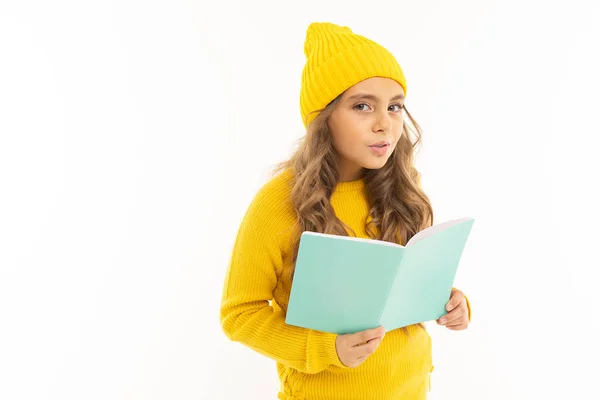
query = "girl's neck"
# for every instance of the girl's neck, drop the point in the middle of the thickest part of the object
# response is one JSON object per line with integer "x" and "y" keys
{"x": 351, "y": 176}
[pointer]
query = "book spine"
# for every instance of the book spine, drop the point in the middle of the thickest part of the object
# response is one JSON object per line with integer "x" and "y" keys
{"x": 401, "y": 251}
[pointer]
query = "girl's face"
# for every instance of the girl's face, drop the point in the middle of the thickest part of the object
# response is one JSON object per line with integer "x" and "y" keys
{"x": 366, "y": 125}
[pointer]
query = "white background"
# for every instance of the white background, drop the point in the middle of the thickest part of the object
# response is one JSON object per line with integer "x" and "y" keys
{"x": 133, "y": 135}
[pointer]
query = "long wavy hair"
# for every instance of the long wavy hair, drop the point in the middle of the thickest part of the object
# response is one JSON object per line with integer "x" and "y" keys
{"x": 398, "y": 206}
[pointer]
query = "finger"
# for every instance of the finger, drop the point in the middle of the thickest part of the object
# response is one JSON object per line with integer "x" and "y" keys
{"x": 459, "y": 327}
{"x": 368, "y": 341}
{"x": 364, "y": 336}
{"x": 452, "y": 316}
{"x": 358, "y": 361}
{"x": 459, "y": 321}
{"x": 463, "y": 320}
{"x": 369, "y": 348}
{"x": 455, "y": 299}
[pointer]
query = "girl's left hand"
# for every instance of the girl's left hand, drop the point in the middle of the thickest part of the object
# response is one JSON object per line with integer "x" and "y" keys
{"x": 458, "y": 313}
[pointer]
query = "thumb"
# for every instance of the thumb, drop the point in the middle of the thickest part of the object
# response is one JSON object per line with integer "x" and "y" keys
{"x": 455, "y": 298}
{"x": 367, "y": 335}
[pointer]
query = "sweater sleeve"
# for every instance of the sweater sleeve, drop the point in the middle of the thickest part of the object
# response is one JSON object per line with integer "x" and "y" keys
{"x": 468, "y": 307}
{"x": 246, "y": 314}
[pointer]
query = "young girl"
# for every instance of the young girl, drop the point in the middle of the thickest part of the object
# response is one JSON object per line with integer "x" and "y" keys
{"x": 352, "y": 175}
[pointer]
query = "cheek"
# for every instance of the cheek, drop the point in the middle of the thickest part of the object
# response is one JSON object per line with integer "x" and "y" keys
{"x": 396, "y": 140}
{"x": 398, "y": 129}
{"x": 399, "y": 126}
{"x": 346, "y": 144}
{"x": 346, "y": 134}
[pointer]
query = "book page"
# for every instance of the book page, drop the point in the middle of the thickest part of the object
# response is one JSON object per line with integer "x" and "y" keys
{"x": 435, "y": 228}
{"x": 356, "y": 239}
{"x": 425, "y": 276}
{"x": 340, "y": 286}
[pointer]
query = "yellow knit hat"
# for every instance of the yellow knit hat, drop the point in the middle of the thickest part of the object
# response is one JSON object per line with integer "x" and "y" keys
{"x": 336, "y": 59}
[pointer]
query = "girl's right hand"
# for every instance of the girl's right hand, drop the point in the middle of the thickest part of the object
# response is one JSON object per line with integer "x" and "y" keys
{"x": 354, "y": 348}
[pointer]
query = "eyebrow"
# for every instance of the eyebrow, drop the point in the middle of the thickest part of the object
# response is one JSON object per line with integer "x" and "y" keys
{"x": 373, "y": 97}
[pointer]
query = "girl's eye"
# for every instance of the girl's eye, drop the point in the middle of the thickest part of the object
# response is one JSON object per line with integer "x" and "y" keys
{"x": 361, "y": 104}
{"x": 400, "y": 106}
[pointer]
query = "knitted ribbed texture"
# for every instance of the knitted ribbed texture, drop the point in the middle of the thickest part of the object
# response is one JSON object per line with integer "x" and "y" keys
{"x": 336, "y": 59}
{"x": 307, "y": 361}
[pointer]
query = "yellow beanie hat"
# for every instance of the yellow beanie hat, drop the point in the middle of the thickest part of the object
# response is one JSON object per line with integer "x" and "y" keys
{"x": 336, "y": 59}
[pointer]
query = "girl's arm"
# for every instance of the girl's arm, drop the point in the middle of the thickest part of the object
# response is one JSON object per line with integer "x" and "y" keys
{"x": 246, "y": 315}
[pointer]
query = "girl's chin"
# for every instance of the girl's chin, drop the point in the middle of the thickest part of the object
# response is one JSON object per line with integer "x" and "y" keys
{"x": 376, "y": 164}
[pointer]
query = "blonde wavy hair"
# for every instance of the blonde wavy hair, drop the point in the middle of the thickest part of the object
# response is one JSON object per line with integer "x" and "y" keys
{"x": 398, "y": 206}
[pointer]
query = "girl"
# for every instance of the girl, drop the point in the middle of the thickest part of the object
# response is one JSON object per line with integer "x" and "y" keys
{"x": 353, "y": 175}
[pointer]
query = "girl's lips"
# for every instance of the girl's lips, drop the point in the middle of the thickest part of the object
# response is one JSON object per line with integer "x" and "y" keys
{"x": 380, "y": 150}
{"x": 380, "y": 143}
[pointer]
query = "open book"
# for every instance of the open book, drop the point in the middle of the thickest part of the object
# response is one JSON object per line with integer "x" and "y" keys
{"x": 345, "y": 284}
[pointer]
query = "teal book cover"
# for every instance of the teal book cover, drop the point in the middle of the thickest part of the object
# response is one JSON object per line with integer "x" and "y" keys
{"x": 345, "y": 284}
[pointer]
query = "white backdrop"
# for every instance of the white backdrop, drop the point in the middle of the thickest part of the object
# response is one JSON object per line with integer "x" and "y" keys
{"x": 134, "y": 134}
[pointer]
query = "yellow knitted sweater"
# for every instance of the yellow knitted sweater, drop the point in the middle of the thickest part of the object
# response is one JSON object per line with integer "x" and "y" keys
{"x": 255, "y": 299}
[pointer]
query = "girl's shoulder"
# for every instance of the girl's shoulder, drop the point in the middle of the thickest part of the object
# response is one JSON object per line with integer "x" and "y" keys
{"x": 273, "y": 198}
{"x": 278, "y": 188}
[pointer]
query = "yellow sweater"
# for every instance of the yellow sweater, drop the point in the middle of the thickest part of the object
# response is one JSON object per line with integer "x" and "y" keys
{"x": 255, "y": 299}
